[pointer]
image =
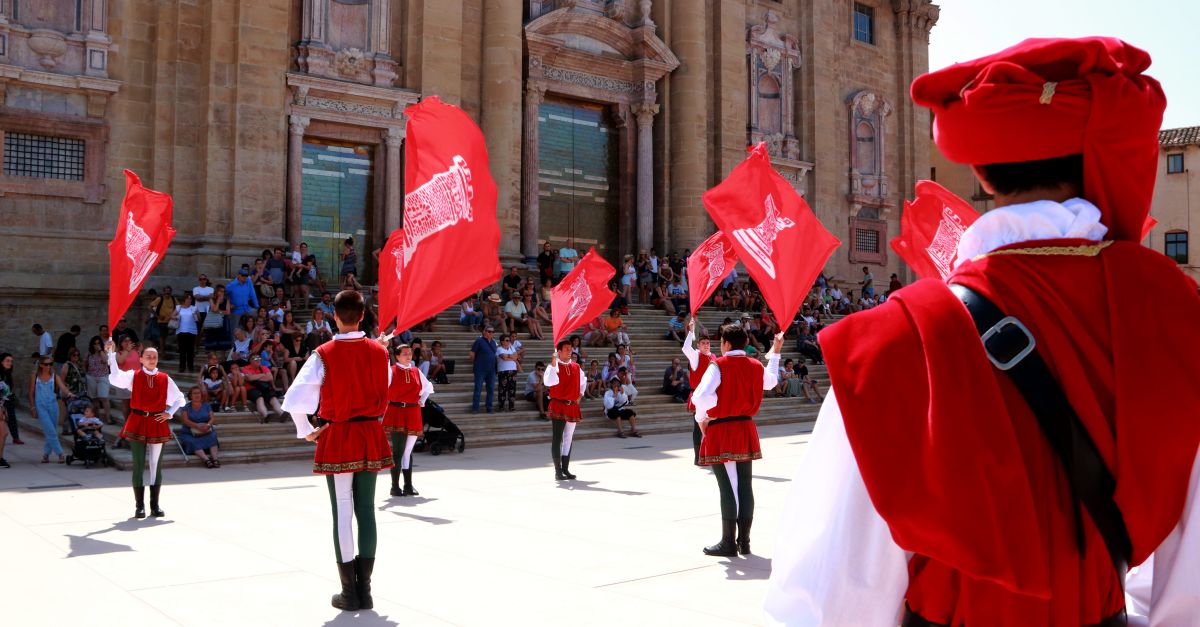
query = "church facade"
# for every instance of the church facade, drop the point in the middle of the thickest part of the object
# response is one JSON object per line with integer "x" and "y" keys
{"x": 273, "y": 122}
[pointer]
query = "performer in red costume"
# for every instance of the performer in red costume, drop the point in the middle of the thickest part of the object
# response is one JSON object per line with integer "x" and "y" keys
{"x": 566, "y": 383}
{"x": 726, "y": 400}
{"x": 346, "y": 382}
{"x": 1040, "y": 433}
{"x": 699, "y": 356}
{"x": 154, "y": 398}
{"x": 402, "y": 423}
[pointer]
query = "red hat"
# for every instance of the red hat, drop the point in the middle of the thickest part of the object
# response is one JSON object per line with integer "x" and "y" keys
{"x": 1046, "y": 98}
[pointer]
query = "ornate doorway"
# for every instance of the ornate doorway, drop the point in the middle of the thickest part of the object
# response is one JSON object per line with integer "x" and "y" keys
{"x": 337, "y": 198}
{"x": 578, "y": 183}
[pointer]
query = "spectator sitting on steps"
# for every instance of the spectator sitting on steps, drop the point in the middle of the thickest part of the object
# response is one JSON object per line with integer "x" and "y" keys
{"x": 260, "y": 391}
{"x": 675, "y": 381}
{"x": 535, "y": 390}
{"x": 616, "y": 407}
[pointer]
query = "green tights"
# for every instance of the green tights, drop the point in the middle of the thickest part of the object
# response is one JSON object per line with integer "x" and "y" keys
{"x": 352, "y": 495}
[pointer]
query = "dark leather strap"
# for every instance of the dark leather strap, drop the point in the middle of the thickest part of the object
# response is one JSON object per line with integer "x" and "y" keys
{"x": 322, "y": 421}
{"x": 717, "y": 421}
{"x": 142, "y": 412}
{"x": 400, "y": 404}
{"x": 562, "y": 400}
{"x": 1012, "y": 348}
{"x": 912, "y": 619}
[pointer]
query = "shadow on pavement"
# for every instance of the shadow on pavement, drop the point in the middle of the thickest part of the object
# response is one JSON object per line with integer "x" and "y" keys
{"x": 87, "y": 545}
{"x": 360, "y": 618}
{"x": 747, "y": 568}
{"x": 590, "y": 486}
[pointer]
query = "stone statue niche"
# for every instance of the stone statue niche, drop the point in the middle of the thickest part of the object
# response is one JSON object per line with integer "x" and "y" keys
{"x": 774, "y": 58}
{"x": 346, "y": 40}
{"x": 868, "y": 176}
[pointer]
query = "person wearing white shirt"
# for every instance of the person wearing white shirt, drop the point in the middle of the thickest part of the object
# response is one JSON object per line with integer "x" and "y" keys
{"x": 506, "y": 372}
{"x": 407, "y": 394}
{"x": 726, "y": 401}
{"x": 186, "y": 315}
{"x": 356, "y": 447}
{"x": 45, "y": 341}
{"x": 616, "y": 407}
{"x": 567, "y": 258}
{"x": 317, "y": 331}
{"x": 154, "y": 398}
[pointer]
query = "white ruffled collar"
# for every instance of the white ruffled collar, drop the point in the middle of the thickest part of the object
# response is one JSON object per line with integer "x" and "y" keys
{"x": 1038, "y": 220}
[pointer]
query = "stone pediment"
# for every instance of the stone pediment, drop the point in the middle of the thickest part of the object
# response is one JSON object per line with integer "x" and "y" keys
{"x": 563, "y": 30}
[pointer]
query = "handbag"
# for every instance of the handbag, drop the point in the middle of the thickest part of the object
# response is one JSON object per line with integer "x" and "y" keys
{"x": 448, "y": 364}
{"x": 214, "y": 320}
{"x": 197, "y": 433}
{"x": 173, "y": 324}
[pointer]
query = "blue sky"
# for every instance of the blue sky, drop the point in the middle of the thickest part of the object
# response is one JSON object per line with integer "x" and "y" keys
{"x": 1168, "y": 29}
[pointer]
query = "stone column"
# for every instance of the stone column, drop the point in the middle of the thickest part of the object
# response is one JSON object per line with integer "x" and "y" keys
{"x": 645, "y": 113}
{"x": 393, "y": 137}
{"x": 535, "y": 92}
{"x": 296, "y": 126}
{"x": 689, "y": 120}
{"x": 500, "y": 118}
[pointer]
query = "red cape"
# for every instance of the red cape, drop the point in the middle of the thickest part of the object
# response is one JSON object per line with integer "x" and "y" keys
{"x": 954, "y": 461}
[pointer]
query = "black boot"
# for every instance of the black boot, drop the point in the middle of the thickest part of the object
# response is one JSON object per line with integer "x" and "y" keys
{"x": 362, "y": 569}
{"x": 139, "y": 496}
{"x": 558, "y": 471}
{"x": 348, "y": 599}
{"x": 566, "y": 467}
{"x": 396, "y": 491}
{"x": 408, "y": 489}
{"x": 743, "y": 536}
{"x": 726, "y": 547}
{"x": 154, "y": 510}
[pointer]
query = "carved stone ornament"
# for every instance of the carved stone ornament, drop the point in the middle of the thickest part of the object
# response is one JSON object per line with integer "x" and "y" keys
{"x": 49, "y": 46}
{"x": 349, "y": 107}
{"x": 773, "y": 59}
{"x": 350, "y": 62}
{"x": 591, "y": 80}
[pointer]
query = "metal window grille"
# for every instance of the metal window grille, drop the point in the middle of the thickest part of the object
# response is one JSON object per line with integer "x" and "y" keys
{"x": 866, "y": 240}
{"x": 43, "y": 157}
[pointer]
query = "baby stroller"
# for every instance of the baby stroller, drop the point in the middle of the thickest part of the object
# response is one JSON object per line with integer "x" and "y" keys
{"x": 440, "y": 432}
{"x": 88, "y": 449}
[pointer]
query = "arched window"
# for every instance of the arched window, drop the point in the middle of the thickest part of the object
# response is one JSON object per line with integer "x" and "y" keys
{"x": 864, "y": 138}
{"x": 770, "y": 105}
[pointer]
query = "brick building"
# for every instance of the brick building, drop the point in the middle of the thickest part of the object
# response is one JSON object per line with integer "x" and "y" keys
{"x": 276, "y": 121}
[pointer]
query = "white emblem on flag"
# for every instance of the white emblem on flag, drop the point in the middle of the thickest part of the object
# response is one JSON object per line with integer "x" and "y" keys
{"x": 398, "y": 253}
{"x": 137, "y": 248}
{"x": 944, "y": 247}
{"x": 759, "y": 241}
{"x": 714, "y": 256}
{"x": 440, "y": 203}
{"x": 581, "y": 297}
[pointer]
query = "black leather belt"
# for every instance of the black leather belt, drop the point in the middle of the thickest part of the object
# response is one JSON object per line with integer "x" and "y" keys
{"x": 322, "y": 421}
{"x": 1012, "y": 348}
{"x": 562, "y": 401}
{"x": 144, "y": 413}
{"x": 718, "y": 421}
{"x": 399, "y": 404}
{"x": 912, "y": 619}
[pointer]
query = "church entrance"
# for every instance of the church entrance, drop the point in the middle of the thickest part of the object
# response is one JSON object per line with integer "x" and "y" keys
{"x": 578, "y": 176}
{"x": 336, "y": 204}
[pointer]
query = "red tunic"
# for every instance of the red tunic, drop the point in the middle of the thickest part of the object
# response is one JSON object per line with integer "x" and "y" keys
{"x": 956, "y": 463}
{"x": 355, "y": 386}
{"x": 738, "y": 398}
{"x": 564, "y": 396}
{"x": 406, "y": 389}
{"x": 695, "y": 376}
{"x": 149, "y": 395}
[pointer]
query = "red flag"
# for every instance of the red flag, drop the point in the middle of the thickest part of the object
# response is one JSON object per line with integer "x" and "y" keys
{"x": 143, "y": 234}
{"x": 582, "y": 295}
{"x": 709, "y": 264}
{"x": 930, "y": 228}
{"x": 389, "y": 277}
{"x": 1150, "y": 223}
{"x": 450, "y": 237}
{"x": 774, "y": 232}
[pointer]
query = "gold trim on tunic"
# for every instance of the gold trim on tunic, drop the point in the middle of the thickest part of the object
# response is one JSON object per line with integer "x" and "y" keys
{"x": 1086, "y": 250}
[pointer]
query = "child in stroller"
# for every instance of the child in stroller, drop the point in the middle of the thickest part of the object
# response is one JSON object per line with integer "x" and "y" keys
{"x": 440, "y": 432}
{"x": 89, "y": 446}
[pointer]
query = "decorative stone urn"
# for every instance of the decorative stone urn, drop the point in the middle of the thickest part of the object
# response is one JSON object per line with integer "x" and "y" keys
{"x": 48, "y": 45}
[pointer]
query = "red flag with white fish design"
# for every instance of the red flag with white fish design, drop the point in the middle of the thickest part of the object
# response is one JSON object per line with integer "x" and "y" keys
{"x": 582, "y": 295}
{"x": 143, "y": 234}
{"x": 707, "y": 266}
{"x": 931, "y": 226}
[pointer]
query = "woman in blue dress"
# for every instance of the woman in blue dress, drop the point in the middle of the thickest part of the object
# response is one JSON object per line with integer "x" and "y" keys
{"x": 44, "y": 405}
{"x": 198, "y": 434}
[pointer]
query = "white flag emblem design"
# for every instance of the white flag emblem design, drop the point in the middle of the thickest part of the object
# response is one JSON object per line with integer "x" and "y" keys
{"x": 714, "y": 256}
{"x": 581, "y": 296}
{"x": 440, "y": 203}
{"x": 137, "y": 248}
{"x": 759, "y": 241}
{"x": 944, "y": 247}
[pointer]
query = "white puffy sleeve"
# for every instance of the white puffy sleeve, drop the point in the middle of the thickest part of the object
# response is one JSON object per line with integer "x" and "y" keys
{"x": 835, "y": 562}
{"x": 304, "y": 395}
{"x": 704, "y": 397}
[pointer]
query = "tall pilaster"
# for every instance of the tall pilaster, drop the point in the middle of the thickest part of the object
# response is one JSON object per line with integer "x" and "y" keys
{"x": 535, "y": 92}
{"x": 500, "y": 118}
{"x": 689, "y": 125}
{"x": 393, "y": 138}
{"x": 296, "y": 126}
{"x": 645, "y": 113}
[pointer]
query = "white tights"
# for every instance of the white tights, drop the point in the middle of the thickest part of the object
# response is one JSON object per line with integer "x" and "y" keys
{"x": 344, "y": 501}
{"x": 150, "y": 472}
{"x": 568, "y": 433}
{"x": 406, "y": 459}
{"x": 731, "y": 470}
